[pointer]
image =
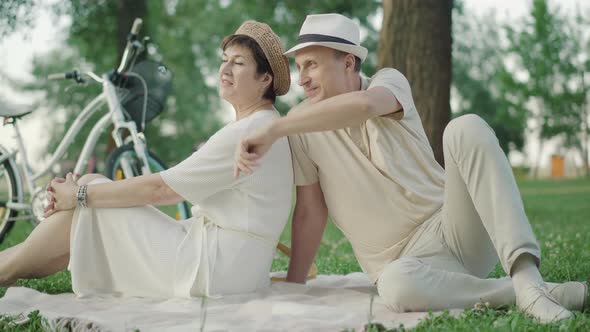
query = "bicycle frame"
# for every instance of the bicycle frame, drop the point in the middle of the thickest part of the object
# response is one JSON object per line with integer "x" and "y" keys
{"x": 114, "y": 116}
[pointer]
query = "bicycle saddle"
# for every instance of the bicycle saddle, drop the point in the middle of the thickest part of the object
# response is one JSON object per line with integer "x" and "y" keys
{"x": 14, "y": 111}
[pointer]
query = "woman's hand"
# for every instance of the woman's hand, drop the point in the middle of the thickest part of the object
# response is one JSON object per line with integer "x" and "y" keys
{"x": 251, "y": 148}
{"x": 62, "y": 195}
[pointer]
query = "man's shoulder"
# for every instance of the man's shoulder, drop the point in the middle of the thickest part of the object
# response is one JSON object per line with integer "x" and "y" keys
{"x": 388, "y": 74}
{"x": 392, "y": 79}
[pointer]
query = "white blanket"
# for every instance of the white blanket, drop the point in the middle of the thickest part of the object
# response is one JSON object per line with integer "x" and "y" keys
{"x": 328, "y": 303}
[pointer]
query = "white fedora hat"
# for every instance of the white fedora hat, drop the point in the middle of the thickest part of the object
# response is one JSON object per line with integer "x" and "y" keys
{"x": 330, "y": 30}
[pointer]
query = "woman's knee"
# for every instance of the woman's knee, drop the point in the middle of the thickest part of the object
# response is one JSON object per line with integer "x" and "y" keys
{"x": 87, "y": 178}
{"x": 398, "y": 285}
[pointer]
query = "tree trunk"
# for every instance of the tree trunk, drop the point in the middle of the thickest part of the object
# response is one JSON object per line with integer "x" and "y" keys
{"x": 585, "y": 130}
{"x": 586, "y": 151}
{"x": 128, "y": 10}
{"x": 416, "y": 40}
{"x": 538, "y": 162}
{"x": 585, "y": 148}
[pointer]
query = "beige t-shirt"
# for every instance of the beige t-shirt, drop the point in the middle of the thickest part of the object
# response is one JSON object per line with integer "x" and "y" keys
{"x": 380, "y": 180}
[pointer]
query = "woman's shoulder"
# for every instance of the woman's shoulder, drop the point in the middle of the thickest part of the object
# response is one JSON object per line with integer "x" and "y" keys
{"x": 252, "y": 122}
{"x": 262, "y": 116}
{"x": 234, "y": 131}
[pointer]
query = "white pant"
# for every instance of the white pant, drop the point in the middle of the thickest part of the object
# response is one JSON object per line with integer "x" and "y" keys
{"x": 482, "y": 219}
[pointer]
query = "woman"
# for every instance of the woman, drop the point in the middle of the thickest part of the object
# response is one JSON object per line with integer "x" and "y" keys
{"x": 113, "y": 241}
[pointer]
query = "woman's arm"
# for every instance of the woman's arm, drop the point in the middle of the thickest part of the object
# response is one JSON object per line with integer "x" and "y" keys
{"x": 138, "y": 191}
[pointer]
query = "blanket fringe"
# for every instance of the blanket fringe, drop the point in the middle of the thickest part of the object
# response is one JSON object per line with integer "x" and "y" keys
{"x": 72, "y": 324}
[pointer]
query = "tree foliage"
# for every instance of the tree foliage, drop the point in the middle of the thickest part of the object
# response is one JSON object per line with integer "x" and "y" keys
{"x": 549, "y": 80}
{"x": 535, "y": 68}
{"x": 482, "y": 84}
{"x": 188, "y": 35}
{"x": 15, "y": 14}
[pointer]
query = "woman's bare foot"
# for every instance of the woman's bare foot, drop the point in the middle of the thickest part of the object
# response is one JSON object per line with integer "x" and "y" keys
{"x": 6, "y": 281}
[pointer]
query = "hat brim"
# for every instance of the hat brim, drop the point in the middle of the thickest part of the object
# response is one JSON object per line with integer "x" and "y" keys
{"x": 357, "y": 50}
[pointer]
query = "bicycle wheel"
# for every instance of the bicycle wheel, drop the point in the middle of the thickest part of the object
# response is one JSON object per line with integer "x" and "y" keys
{"x": 114, "y": 172}
{"x": 7, "y": 194}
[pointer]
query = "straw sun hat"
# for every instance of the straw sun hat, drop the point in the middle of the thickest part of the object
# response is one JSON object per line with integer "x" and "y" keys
{"x": 271, "y": 45}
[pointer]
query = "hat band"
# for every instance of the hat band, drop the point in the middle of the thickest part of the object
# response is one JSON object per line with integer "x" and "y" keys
{"x": 312, "y": 37}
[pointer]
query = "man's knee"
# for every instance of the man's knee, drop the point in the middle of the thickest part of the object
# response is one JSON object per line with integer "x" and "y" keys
{"x": 468, "y": 130}
{"x": 398, "y": 285}
{"x": 87, "y": 178}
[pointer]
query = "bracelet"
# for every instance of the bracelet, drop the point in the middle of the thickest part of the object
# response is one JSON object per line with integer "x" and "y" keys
{"x": 81, "y": 196}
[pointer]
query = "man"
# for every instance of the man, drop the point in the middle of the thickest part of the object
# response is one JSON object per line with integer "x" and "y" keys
{"x": 428, "y": 237}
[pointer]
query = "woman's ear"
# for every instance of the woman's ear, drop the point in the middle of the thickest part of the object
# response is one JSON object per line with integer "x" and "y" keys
{"x": 266, "y": 80}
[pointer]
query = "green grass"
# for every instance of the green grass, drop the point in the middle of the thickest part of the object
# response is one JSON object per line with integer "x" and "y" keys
{"x": 559, "y": 212}
{"x": 35, "y": 323}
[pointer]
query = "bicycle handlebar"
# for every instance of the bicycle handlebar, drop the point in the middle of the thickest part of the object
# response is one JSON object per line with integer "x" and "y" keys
{"x": 75, "y": 75}
{"x": 132, "y": 44}
{"x": 60, "y": 76}
{"x": 130, "y": 39}
{"x": 136, "y": 26}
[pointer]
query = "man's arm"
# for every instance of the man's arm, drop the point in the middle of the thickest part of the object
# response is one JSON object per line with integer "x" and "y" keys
{"x": 345, "y": 110}
{"x": 309, "y": 221}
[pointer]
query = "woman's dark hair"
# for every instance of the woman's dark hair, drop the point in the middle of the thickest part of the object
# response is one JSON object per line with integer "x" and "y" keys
{"x": 262, "y": 64}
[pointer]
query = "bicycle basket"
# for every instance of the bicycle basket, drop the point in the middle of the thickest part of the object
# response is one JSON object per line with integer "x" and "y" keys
{"x": 158, "y": 79}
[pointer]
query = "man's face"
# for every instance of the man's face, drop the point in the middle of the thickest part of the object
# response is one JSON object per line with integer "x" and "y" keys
{"x": 321, "y": 73}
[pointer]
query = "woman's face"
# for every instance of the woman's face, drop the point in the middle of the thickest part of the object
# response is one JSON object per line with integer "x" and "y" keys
{"x": 239, "y": 83}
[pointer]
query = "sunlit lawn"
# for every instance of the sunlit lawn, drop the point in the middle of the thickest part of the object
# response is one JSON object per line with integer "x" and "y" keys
{"x": 558, "y": 210}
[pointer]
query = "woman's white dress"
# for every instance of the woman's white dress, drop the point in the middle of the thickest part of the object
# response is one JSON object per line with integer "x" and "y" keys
{"x": 226, "y": 247}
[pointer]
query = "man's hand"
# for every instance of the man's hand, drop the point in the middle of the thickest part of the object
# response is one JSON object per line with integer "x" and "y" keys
{"x": 62, "y": 195}
{"x": 251, "y": 148}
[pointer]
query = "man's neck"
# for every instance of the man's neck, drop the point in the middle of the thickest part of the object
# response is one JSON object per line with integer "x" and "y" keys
{"x": 352, "y": 83}
{"x": 355, "y": 83}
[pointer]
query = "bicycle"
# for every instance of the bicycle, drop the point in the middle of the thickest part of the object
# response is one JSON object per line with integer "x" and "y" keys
{"x": 127, "y": 85}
